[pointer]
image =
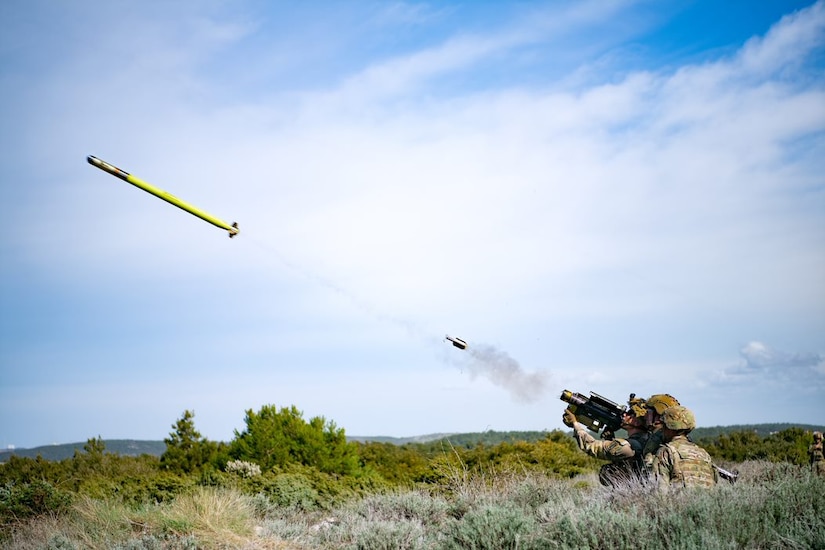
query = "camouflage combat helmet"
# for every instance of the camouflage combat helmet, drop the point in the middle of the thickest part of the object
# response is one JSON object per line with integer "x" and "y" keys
{"x": 817, "y": 436}
{"x": 662, "y": 401}
{"x": 679, "y": 418}
{"x": 636, "y": 406}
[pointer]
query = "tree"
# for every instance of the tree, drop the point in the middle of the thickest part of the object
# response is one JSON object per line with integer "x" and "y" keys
{"x": 186, "y": 450}
{"x": 92, "y": 460}
{"x": 274, "y": 438}
{"x": 95, "y": 447}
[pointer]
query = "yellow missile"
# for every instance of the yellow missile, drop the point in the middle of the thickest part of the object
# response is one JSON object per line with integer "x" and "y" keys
{"x": 161, "y": 194}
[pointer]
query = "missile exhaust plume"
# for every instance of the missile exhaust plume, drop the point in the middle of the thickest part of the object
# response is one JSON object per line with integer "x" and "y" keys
{"x": 505, "y": 372}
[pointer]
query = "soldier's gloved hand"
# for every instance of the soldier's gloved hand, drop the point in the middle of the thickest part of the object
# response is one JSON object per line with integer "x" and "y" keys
{"x": 608, "y": 434}
{"x": 568, "y": 418}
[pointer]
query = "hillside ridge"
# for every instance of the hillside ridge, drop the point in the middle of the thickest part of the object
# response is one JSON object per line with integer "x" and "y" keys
{"x": 137, "y": 447}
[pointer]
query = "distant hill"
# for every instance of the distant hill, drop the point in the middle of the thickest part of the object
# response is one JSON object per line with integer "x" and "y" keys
{"x": 398, "y": 440}
{"x": 470, "y": 440}
{"x": 124, "y": 447}
{"x": 133, "y": 447}
{"x": 490, "y": 438}
{"x": 762, "y": 430}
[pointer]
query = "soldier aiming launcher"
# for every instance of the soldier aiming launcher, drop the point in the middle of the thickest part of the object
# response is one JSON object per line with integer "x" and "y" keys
{"x": 598, "y": 413}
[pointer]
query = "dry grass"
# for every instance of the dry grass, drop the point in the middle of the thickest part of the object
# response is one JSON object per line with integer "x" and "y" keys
{"x": 205, "y": 518}
{"x": 772, "y": 506}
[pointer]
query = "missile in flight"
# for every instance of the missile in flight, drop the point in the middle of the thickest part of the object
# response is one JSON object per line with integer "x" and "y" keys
{"x": 457, "y": 342}
{"x": 161, "y": 194}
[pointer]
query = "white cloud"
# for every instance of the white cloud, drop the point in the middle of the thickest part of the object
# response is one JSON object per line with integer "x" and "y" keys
{"x": 620, "y": 230}
{"x": 761, "y": 364}
{"x": 801, "y": 31}
{"x": 679, "y": 178}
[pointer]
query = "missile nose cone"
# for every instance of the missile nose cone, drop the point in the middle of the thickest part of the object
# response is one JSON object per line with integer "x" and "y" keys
{"x": 457, "y": 342}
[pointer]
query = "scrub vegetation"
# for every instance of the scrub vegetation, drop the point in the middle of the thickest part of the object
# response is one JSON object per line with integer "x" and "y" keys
{"x": 286, "y": 482}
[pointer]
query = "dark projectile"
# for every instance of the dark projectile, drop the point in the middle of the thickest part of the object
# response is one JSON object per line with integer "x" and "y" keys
{"x": 457, "y": 342}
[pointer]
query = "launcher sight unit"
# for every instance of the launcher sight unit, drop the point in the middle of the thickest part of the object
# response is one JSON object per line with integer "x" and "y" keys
{"x": 598, "y": 413}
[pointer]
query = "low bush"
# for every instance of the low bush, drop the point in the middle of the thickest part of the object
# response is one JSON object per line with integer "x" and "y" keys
{"x": 21, "y": 501}
{"x": 490, "y": 527}
{"x": 771, "y": 506}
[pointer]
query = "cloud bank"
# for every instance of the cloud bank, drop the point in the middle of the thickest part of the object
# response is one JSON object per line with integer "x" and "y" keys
{"x": 611, "y": 213}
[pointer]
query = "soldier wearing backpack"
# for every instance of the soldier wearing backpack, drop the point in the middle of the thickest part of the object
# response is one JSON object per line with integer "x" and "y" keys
{"x": 679, "y": 462}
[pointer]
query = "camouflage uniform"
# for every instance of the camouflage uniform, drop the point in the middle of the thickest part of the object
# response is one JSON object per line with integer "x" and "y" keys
{"x": 817, "y": 455}
{"x": 625, "y": 455}
{"x": 654, "y": 441}
{"x": 680, "y": 462}
{"x": 614, "y": 449}
{"x": 658, "y": 403}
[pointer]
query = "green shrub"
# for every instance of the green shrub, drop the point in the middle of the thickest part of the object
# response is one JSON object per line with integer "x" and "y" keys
{"x": 154, "y": 542}
{"x": 19, "y": 501}
{"x": 399, "y": 465}
{"x": 403, "y": 506}
{"x": 292, "y": 491}
{"x": 385, "y": 535}
{"x": 490, "y": 527}
{"x": 771, "y": 506}
{"x": 281, "y": 437}
{"x": 60, "y": 542}
{"x": 154, "y": 487}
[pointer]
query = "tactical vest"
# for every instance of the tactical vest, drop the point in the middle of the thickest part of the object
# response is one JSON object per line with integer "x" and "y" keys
{"x": 692, "y": 465}
{"x": 654, "y": 441}
{"x": 637, "y": 443}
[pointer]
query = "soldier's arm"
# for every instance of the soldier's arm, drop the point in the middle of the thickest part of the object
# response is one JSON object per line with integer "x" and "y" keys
{"x": 583, "y": 438}
{"x": 662, "y": 467}
{"x": 619, "y": 449}
{"x": 613, "y": 450}
{"x": 587, "y": 442}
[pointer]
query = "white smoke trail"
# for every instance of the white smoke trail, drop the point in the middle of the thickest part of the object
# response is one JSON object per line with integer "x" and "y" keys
{"x": 504, "y": 371}
{"x": 485, "y": 360}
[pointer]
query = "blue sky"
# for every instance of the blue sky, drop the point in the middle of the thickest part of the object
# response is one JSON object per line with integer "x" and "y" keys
{"x": 610, "y": 196}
